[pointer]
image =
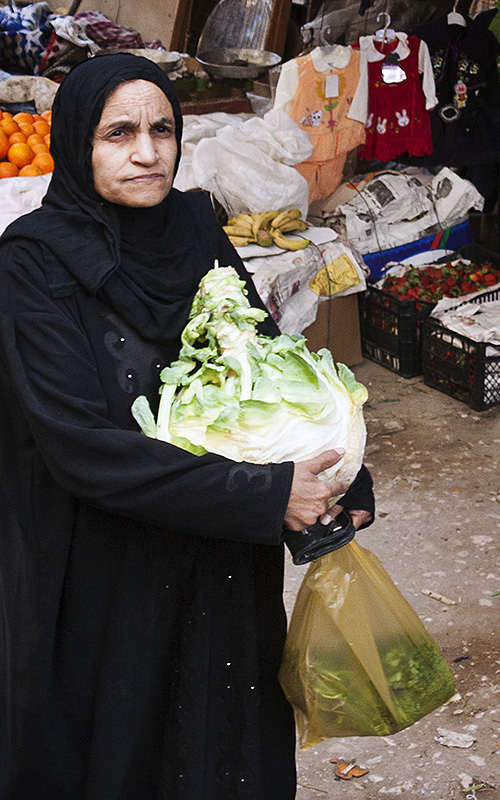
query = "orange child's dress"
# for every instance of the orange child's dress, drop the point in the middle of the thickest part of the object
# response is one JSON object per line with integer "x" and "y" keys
{"x": 325, "y": 92}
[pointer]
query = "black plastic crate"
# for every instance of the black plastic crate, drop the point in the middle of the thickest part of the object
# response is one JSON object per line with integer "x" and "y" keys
{"x": 459, "y": 366}
{"x": 475, "y": 253}
{"x": 391, "y": 329}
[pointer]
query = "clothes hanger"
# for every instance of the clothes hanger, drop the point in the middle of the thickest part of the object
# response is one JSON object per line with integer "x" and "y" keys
{"x": 392, "y": 72}
{"x": 326, "y": 46}
{"x": 386, "y": 33}
{"x": 454, "y": 18}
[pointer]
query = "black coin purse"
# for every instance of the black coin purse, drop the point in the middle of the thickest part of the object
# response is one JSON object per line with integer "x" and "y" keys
{"x": 319, "y": 539}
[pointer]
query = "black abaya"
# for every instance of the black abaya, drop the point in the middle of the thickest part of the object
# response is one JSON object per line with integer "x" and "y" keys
{"x": 141, "y": 609}
{"x": 141, "y": 586}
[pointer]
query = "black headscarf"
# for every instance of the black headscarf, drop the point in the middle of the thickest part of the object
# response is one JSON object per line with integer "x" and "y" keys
{"x": 141, "y": 261}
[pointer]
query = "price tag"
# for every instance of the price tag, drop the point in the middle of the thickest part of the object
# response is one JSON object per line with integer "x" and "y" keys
{"x": 332, "y": 86}
{"x": 391, "y": 73}
{"x": 391, "y": 70}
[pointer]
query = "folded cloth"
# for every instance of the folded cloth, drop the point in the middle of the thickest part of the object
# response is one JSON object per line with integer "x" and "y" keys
{"x": 107, "y": 33}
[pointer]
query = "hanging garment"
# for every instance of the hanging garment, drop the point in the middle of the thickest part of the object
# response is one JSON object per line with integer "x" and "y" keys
{"x": 465, "y": 71}
{"x": 480, "y": 6}
{"x": 398, "y": 102}
{"x": 325, "y": 92}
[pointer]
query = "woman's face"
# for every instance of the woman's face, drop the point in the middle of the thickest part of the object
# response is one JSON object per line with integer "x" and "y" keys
{"x": 134, "y": 146}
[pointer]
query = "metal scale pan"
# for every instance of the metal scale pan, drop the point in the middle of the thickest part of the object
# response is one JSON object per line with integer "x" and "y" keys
{"x": 232, "y": 42}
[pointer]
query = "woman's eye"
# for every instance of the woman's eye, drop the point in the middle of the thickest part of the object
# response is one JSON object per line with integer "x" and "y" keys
{"x": 163, "y": 130}
{"x": 117, "y": 134}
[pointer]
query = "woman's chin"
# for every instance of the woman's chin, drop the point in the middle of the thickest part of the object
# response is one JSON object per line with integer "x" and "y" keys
{"x": 138, "y": 195}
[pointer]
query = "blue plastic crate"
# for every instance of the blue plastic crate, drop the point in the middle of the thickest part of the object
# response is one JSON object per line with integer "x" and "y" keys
{"x": 450, "y": 239}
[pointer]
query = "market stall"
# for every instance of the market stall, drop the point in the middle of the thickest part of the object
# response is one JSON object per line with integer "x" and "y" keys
{"x": 355, "y": 124}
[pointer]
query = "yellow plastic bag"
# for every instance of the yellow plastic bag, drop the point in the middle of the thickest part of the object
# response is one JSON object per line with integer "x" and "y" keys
{"x": 339, "y": 275}
{"x": 357, "y": 660}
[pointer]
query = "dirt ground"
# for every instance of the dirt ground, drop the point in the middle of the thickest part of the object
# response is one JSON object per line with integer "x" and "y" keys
{"x": 435, "y": 465}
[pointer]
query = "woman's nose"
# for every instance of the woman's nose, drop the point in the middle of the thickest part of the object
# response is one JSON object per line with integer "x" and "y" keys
{"x": 144, "y": 151}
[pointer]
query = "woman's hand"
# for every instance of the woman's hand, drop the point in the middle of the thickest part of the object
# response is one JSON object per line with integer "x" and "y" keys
{"x": 309, "y": 494}
{"x": 359, "y": 516}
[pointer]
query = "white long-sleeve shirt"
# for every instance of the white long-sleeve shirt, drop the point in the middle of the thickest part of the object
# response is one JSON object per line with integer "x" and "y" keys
{"x": 325, "y": 59}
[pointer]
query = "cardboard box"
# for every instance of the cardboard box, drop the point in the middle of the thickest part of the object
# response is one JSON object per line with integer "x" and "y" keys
{"x": 336, "y": 327}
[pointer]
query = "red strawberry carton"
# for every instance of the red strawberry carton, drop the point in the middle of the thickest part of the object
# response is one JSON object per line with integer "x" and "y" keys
{"x": 393, "y": 312}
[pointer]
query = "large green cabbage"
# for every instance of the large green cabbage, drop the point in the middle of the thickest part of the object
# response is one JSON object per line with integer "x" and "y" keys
{"x": 250, "y": 397}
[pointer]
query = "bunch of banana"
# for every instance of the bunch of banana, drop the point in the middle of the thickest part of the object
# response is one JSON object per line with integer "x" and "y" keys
{"x": 286, "y": 222}
{"x": 239, "y": 230}
{"x": 266, "y": 228}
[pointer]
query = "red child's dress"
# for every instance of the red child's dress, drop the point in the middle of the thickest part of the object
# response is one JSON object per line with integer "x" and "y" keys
{"x": 398, "y": 119}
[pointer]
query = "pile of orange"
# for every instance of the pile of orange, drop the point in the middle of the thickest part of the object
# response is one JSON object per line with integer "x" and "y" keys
{"x": 25, "y": 144}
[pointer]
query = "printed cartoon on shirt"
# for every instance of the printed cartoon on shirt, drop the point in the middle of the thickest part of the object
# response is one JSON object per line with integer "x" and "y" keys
{"x": 324, "y": 116}
{"x": 312, "y": 119}
{"x": 467, "y": 70}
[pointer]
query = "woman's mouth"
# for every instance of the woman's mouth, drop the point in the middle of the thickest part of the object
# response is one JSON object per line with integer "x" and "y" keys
{"x": 149, "y": 177}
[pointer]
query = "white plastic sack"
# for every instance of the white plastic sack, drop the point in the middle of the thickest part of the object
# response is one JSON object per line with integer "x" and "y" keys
{"x": 184, "y": 180}
{"x": 195, "y": 128}
{"x": 276, "y": 135}
{"x": 19, "y": 196}
{"x": 249, "y": 167}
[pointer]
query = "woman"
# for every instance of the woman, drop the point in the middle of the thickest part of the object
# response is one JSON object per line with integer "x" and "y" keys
{"x": 141, "y": 586}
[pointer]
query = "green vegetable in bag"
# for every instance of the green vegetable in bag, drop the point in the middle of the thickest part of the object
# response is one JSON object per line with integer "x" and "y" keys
{"x": 358, "y": 661}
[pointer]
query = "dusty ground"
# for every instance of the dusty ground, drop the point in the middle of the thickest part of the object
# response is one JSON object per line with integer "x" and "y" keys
{"x": 435, "y": 465}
